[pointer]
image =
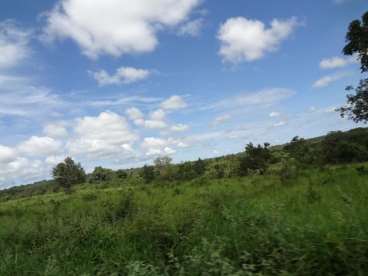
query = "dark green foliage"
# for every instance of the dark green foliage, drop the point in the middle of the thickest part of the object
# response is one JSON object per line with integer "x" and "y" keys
{"x": 68, "y": 173}
{"x": 357, "y": 104}
{"x": 255, "y": 159}
{"x": 100, "y": 174}
{"x": 219, "y": 171}
{"x": 121, "y": 174}
{"x": 357, "y": 45}
{"x": 339, "y": 147}
{"x": 148, "y": 173}
{"x": 185, "y": 171}
{"x": 302, "y": 151}
{"x": 199, "y": 167}
{"x": 289, "y": 170}
{"x": 357, "y": 41}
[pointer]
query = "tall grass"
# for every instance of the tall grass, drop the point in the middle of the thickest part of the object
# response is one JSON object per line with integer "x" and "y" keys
{"x": 313, "y": 224}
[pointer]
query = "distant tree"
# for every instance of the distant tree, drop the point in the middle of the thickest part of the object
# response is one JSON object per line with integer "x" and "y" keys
{"x": 121, "y": 174}
{"x": 100, "y": 174}
{"x": 148, "y": 173}
{"x": 199, "y": 167}
{"x": 301, "y": 150}
{"x": 357, "y": 45}
{"x": 163, "y": 166}
{"x": 68, "y": 173}
{"x": 219, "y": 171}
{"x": 340, "y": 147}
{"x": 185, "y": 171}
{"x": 256, "y": 158}
{"x": 162, "y": 161}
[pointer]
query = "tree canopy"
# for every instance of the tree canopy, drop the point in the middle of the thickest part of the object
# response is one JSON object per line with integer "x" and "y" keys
{"x": 357, "y": 45}
{"x": 68, "y": 173}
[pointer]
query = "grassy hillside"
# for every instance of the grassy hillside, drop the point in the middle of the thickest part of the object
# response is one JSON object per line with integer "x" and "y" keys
{"x": 314, "y": 224}
{"x": 295, "y": 209}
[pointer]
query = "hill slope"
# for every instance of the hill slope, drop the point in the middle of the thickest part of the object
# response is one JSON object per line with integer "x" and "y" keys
{"x": 314, "y": 224}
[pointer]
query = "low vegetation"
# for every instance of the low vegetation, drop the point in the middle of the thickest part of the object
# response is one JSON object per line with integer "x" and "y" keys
{"x": 266, "y": 211}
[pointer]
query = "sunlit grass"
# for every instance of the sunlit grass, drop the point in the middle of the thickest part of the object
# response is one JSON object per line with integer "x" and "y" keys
{"x": 315, "y": 224}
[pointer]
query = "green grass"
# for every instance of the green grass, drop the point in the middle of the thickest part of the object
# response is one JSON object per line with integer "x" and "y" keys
{"x": 315, "y": 224}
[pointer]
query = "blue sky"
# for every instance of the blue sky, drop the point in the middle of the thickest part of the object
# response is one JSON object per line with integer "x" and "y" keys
{"x": 117, "y": 83}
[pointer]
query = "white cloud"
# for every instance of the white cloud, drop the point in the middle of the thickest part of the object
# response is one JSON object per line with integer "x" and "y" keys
{"x": 53, "y": 160}
{"x": 123, "y": 75}
{"x": 245, "y": 39}
{"x": 40, "y": 146}
{"x": 118, "y": 101}
{"x": 327, "y": 80}
{"x": 108, "y": 134}
{"x": 7, "y": 154}
{"x": 279, "y": 124}
{"x": 135, "y": 115}
{"x": 266, "y": 97}
{"x": 56, "y": 130}
{"x": 19, "y": 97}
{"x": 158, "y": 146}
{"x": 13, "y": 44}
{"x": 22, "y": 169}
{"x": 221, "y": 119}
{"x": 155, "y": 124}
{"x": 336, "y": 62}
{"x": 179, "y": 127}
{"x": 156, "y": 119}
{"x": 191, "y": 28}
{"x": 274, "y": 114}
{"x": 115, "y": 27}
{"x": 173, "y": 103}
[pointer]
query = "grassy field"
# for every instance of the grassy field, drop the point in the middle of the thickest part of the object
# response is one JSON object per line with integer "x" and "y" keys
{"x": 315, "y": 224}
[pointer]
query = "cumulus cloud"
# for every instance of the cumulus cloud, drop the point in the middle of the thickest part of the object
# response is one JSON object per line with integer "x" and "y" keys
{"x": 14, "y": 46}
{"x": 245, "y": 39}
{"x": 7, "y": 154}
{"x": 56, "y": 130}
{"x": 123, "y": 26}
{"x": 123, "y": 75}
{"x": 156, "y": 120}
{"x": 22, "y": 169}
{"x": 191, "y": 28}
{"x": 153, "y": 146}
{"x": 108, "y": 134}
{"x": 173, "y": 103}
{"x": 329, "y": 79}
{"x": 336, "y": 62}
{"x": 40, "y": 146}
{"x": 135, "y": 115}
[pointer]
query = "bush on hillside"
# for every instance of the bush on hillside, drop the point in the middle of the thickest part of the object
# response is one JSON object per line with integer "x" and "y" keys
{"x": 148, "y": 173}
{"x": 121, "y": 174}
{"x": 255, "y": 159}
{"x": 339, "y": 147}
{"x": 302, "y": 151}
{"x": 68, "y": 173}
{"x": 101, "y": 175}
